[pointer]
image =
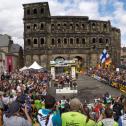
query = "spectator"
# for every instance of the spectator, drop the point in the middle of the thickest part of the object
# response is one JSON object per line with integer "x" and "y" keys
{"x": 117, "y": 108}
{"x": 13, "y": 118}
{"x": 108, "y": 120}
{"x": 49, "y": 116}
{"x": 62, "y": 104}
{"x": 1, "y": 109}
{"x": 90, "y": 117}
{"x": 122, "y": 119}
{"x": 74, "y": 117}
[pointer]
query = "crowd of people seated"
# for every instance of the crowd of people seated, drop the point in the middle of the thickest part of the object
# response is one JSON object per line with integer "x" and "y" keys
{"x": 25, "y": 101}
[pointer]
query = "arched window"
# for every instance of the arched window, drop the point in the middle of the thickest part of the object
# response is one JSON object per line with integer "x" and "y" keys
{"x": 42, "y": 26}
{"x": 28, "y": 11}
{"x": 93, "y": 25}
{"x": 64, "y": 25}
{"x": 28, "y": 27}
{"x": 71, "y": 40}
{"x": 83, "y": 26}
{"x": 53, "y": 42}
{"x": 77, "y": 40}
{"x": 71, "y": 26}
{"x": 29, "y": 42}
{"x": 52, "y": 25}
{"x": 77, "y": 26}
{"x": 59, "y": 41}
{"x": 105, "y": 25}
{"x": 58, "y": 26}
{"x": 42, "y": 41}
{"x": 107, "y": 41}
{"x": 83, "y": 40}
{"x": 35, "y": 26}
{"x": 34, "y": 11}
{"x": 93, "y": 40}
{"x": 35, "y": 41}
{"x": 42, "y": 10}
{"x": 100, "y": 40}
{"x": 65, "y": 41}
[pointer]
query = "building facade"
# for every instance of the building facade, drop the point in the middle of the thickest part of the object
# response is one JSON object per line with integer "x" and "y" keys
{"x": 49, "y": 37}
{"x": 123, "y": 56}
{"x": 2, "y": 61}
{"x": 13, "y": 53}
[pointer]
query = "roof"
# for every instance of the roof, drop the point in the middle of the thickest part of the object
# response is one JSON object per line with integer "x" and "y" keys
{"x": 4, "y": 40}
{"x": 35, "y": 3}
{"x": 15, "y": 48}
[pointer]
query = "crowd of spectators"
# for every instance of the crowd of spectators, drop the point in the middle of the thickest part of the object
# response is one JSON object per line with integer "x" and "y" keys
{"x": 112, "y": 77}
{"x": 25, "y": 101}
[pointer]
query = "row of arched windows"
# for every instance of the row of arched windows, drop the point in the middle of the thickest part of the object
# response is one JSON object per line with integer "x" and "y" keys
{"x": 41, "y": 26}
{"x": 57, "y": 41}
{"x": 77, "y": 25}
{"x": 70, "y": 25}
{"x": 35, "y": 41}
{"x": 101, "y": 40}
{"x": 35, "y": 26}
{"x": 34, "y": 11}
{"x": 68, "y": 41}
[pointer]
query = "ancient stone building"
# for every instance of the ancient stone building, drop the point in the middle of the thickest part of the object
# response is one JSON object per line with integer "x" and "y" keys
{"x": 49, "y": 37}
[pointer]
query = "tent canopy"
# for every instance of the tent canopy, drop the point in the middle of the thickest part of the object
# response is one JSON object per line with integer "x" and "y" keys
{"x": 24, "y": 68}
{"x": 35, "y": 65}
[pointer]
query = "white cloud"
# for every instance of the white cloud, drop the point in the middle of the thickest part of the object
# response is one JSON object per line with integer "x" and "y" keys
{"x": 11, "y": 14}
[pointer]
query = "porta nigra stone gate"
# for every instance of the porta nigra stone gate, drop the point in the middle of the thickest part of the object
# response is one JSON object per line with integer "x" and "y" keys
{"x": 49, "y": 37}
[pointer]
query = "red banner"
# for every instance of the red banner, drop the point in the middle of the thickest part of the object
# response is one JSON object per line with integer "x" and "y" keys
{"x": 9, "y": 63}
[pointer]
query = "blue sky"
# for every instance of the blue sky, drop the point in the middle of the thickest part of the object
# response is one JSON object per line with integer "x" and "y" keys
{"x": 11, "y": 14}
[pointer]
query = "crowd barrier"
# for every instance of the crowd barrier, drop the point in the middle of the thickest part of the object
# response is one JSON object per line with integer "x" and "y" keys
{"x": 119, "y": 85}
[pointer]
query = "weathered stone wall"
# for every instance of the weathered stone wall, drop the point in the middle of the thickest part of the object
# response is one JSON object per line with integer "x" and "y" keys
{"x": 47, "y": 37}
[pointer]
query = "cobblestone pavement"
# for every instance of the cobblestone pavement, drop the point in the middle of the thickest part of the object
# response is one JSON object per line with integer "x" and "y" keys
{"x": 88, "y": 89}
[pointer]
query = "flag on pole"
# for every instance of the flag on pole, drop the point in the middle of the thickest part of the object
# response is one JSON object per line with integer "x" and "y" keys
{"x": 108, "y": 61}
{"x": 104, "y": 56}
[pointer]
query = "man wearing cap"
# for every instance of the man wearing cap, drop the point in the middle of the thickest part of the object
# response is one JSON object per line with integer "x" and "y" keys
{"x": 49, "y": 116}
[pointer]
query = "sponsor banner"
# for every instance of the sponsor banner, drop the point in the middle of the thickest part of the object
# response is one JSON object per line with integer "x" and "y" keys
{"x": 121, "y": 86}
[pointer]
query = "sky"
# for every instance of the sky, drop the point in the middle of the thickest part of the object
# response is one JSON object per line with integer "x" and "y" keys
{"x": 11, "y": 14}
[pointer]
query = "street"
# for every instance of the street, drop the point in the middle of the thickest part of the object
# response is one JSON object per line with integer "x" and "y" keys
{"x": 88, "y": 89}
